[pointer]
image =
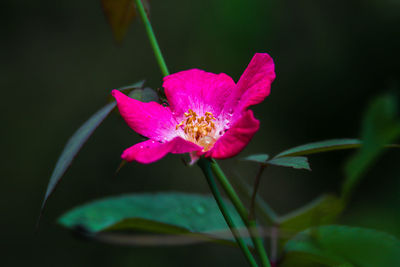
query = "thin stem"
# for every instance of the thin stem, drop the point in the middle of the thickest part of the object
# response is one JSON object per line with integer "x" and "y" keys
{"x": 152, "y": 38}
{"x": 250, "y": 224}
{"x": 252, "y": 213}
{"x": 205, "y": 166}
{"x": 267, "y": 214}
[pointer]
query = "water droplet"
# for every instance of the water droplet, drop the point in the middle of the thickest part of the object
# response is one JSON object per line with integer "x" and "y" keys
{"x": 200, "y": 209}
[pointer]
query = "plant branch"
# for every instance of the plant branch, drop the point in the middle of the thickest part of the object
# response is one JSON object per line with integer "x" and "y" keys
{"x": 252, "y": 213}
{"x": 267, "y": 214}
{"x": 152, "y": 38}
{"x": 205, "y": 167}
{"x": 250, "y": 224}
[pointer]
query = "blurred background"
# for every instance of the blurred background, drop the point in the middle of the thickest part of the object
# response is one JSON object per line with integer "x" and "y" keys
{"x": 60, "y": 62}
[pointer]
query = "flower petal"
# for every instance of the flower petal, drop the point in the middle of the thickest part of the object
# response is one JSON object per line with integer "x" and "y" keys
{"x": 148, "y": 119}
{"x": 236, "y": 138}
{"x": 150, "y": 151}
{"x": 199, "y": 90}
{"x": 254, "y": 85}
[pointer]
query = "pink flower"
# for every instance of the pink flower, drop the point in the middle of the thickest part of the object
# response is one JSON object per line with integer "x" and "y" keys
{"x": 207, "y": 114}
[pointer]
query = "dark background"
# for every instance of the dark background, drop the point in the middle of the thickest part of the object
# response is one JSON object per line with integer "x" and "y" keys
{"x": 59, "y": 63}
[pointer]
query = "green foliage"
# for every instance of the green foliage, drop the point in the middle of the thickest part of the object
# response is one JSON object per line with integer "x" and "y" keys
{"x": 258, "y": 158}
{"x": 145, "y": 95}
{"x": 167, "y": 213}
{"x": 79, "y": 138}
{"x": 319, "y": 147}
{"x": 74, "y": 145}
{"x": 323, "y": 210}
{"x": 335, "y": 245}
{"x": 381, "y": 126}
{"x": 293, "y": 162}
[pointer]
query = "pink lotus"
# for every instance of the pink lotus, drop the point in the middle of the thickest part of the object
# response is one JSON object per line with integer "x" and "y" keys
{"x": 207, "y": 114}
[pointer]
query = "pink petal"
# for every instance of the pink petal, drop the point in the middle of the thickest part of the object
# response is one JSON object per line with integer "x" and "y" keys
{"x": 236, "y": 138}
{"x": 254, "y": 85}
{"x": 199, "y": 90}
{"x": 148, "y": 119}
{"x": 150, "y": 151}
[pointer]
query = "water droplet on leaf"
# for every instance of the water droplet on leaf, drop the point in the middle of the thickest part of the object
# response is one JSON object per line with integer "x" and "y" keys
{"x": 200, "y": 209}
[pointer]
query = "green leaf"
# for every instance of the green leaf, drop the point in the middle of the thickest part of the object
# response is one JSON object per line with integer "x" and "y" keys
{"x": 323, "y": 210}
{"x": 346, "y": 246}
{"x": 322, "y": 146}
{"x": 78, "y": 139}
{"x": 293, "y": 162}
{"x": 167, "y": 213}
{"x": 128, "y": 89}
{"x": 73, "y": 146}
{"x": 132, "y": 224}
{"x": 120, "y": 14}
{"x": 259, "y": 158}
{"x": 381, "y": 126}
{"x": 145, "y": 95}
{"x": 122, "y": 234}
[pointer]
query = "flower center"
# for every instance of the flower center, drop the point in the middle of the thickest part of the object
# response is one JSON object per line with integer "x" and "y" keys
{"x": 199, "y": 130}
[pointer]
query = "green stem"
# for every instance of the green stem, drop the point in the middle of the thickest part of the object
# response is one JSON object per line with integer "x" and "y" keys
{"x": 250, "y": 224}
{"x": 205, "y": 167}
{"x": 152, "y": 38}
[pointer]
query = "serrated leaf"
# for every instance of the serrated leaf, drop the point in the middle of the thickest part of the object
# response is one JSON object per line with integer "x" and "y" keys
{"x": 319, "y": 147}
{"x": 336, "y": 245}
{"x": 322, "y": 210}
{"x": 77, "y": 140}
{"x": 168, "y": 213}
{"x": 258, "y": 158}
{"x": 120, "y": 14}
{"x": 292, "y": 162}
{"x": 381, "y": 126}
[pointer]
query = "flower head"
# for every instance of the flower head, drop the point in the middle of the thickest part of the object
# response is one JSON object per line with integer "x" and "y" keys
{"x": 207, "y": 115}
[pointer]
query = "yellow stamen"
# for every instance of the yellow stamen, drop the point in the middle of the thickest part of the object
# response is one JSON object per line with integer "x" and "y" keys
{"x": 199, "y": 129}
